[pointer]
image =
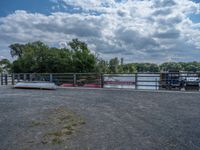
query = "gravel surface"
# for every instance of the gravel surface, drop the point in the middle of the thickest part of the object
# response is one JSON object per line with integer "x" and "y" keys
{"x": 115, "y": 119}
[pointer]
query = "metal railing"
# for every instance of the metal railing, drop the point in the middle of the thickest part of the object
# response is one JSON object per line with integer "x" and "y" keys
{"x": 6, "y": 79}
{"x": 134, "y": 81}
{"x": 60, "y": 79}
{"x": 154, "y": 81}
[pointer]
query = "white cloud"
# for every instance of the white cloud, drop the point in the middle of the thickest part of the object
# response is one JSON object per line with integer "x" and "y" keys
{"x": 2, "y": 57}
{"x": 156, "y": 30}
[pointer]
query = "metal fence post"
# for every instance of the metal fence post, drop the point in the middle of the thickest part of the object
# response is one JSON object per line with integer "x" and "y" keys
{"x": 102, "y": 80}
{"x": 74, "y": 79}
{"x": 18, "y": 77}
{"x": 156, "y": 84}
{"x": 13, "y": 78}
{"x": 1, "y": 79}
{"x": 31, "y": 77}
{"x": 6, "y": 79}
{"x": 51, "y": 78}
{"x": 136, "y": 81}
{"x": 24, "y": 77}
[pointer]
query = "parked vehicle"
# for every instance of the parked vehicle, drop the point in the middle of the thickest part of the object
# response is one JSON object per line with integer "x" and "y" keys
{"x": 191, "y": 83}
{"x": 171, "y": 81}
{"x": 176, "y": 80}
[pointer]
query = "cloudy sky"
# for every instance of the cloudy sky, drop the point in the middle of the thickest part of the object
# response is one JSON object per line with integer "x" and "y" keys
{"x": 137, "y": 30}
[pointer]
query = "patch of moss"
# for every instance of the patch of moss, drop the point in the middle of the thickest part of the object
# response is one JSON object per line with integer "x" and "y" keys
{"x": 63, "y": 123}
{"x": 67, "y": 132}
{"x": 56, "y": 141}
{"x": 74, "y": 124}
{"x": 82, "y": 122}
{"x": 57, "y": 133}
{"x": 69, "y": 127}
{"x": 37, "y": 123}
{"x": 65, "y": 117}
{"x": 44, "y": 141}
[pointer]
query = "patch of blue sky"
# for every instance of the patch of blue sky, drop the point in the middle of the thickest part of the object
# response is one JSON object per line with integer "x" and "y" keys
{"x": 72, "y": 9}
{"x": 197, "y": 1}
{"x": 120, "y": 1}
{"x": 95, "y": 13}
{"x": 40, "y": 6}
{"x": 195, "y": 18}
{"x": 106, "y": 5}
{"x": 33, "y": 6}
{"x": 69, "y": 8}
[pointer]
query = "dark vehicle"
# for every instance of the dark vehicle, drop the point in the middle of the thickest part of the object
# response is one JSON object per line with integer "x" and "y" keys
{"x": 171, "y": 81}
{"x": 176, "y": 80}
{"x": 191, "y": 83}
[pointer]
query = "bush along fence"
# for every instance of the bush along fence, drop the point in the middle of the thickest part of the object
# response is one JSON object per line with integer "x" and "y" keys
{"x": 153, "y": 81}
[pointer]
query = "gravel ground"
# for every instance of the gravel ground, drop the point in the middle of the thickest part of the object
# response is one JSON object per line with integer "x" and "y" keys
{"x": 115, "y": 119}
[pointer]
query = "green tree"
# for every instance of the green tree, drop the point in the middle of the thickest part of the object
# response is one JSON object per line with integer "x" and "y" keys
{"x": 83, "y": 60}
{"x": 33, "y": 58}
{"x": 5, "y": 66}
{"x": 16, "y": 49}
{"x": 171, "y": 66}
{"x": 153, "y": 68}
{"x": 129, "y": 68}
{"x": 37, "y": 57}
{"x": 192, "y": 66}
{"x": 113, "y": 65}
{"x": 102, "y": 66}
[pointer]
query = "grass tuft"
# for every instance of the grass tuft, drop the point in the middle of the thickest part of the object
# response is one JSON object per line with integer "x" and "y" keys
{"x": 37, "y": 123}
{"x": 57, "y": 133}
{"x": 56, "y": 141}
{"x": 63, "y": 123}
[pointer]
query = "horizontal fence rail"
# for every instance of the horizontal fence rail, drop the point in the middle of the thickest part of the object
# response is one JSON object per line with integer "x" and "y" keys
{"x": 63, "y": 80}
{"x": 153, "y": 81}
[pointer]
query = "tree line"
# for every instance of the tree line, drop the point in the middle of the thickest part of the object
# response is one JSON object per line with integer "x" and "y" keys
{"x": 37, "y": 57}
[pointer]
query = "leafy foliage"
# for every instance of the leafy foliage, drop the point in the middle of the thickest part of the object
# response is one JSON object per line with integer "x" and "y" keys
{"x": 37, "y": 57}
{"x": 5, "y": 66}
